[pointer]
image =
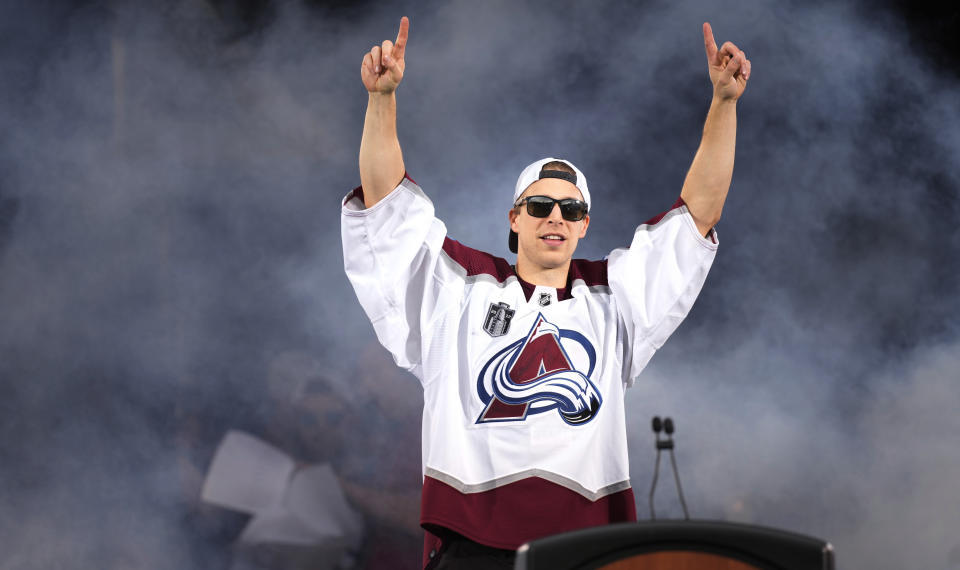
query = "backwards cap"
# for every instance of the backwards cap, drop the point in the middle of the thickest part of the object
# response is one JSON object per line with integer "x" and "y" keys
{"x": 535, "y": 172}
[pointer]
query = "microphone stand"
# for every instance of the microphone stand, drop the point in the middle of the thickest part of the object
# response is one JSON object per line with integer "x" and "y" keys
{"x": 666, "y": 425}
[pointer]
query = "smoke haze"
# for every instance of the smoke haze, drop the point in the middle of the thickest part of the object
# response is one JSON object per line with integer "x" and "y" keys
{"x": 170, "y": 177}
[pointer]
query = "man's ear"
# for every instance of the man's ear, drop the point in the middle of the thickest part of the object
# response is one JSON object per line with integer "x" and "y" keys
{"x": 512, "y": 216}
{"x": 586, "y": 222}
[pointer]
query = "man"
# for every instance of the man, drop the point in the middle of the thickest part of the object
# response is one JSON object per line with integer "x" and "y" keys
{"x": 524, "y": 367}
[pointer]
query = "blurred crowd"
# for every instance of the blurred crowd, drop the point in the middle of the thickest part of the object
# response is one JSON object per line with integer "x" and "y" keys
{"x": 365, "y": 427}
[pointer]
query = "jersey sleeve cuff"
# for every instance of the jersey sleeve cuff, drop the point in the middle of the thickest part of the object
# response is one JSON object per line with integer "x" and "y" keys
{"x": 711, "y": 241}
{"x": 353, "y": 204}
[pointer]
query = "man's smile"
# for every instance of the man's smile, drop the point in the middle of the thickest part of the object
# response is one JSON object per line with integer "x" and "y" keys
{"x": 553, "y": 237}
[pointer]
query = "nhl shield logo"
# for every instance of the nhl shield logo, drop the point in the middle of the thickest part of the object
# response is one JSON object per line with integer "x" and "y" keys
{"x": 498, "y": 318}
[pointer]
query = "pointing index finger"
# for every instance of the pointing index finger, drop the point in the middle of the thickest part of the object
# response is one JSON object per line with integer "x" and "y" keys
{"x": 400, "y": 45}
{"x": 709, "y": 44}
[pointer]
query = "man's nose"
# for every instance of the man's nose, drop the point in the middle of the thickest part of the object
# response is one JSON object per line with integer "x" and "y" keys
{"x": 555, "y": 215}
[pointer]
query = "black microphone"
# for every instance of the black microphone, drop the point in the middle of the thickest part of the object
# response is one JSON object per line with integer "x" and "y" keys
{"x": 665, "y": 425}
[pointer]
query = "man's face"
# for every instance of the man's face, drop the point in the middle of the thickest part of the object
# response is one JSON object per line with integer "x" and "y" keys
{"x": 547, "y": 242}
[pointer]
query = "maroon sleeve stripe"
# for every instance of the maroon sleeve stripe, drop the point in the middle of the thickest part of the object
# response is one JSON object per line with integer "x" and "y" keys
{"x": 477, "y": 262}
{"x": 660, "y": 216}
{"x": 355, "y": 193}
{"x": 654, "y": 220}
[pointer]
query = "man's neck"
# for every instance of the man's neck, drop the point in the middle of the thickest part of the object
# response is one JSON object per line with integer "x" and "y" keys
{"x": 555, "y": 277}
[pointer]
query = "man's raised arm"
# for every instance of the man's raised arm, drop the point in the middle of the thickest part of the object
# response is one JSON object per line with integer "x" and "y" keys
{"x": 381, "y": 162}
{"x": 705, "y": 188}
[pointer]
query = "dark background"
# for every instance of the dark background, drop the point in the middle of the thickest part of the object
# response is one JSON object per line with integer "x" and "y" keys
{"x": 170, "y": 174}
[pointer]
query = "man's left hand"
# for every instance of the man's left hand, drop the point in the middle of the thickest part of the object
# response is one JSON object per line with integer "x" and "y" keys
{"x": 729, "y": 67}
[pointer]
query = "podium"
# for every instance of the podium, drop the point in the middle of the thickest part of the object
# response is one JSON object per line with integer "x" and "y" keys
{"x": 676, "y": 545}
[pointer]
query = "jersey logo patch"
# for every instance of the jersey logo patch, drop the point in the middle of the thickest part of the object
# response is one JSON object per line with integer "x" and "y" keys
{"x": 544, "y": 299}
{"x": 541, "y": 373}
{"x": 498, "y": 318}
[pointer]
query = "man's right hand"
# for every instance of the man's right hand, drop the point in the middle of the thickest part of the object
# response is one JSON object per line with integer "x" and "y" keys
{"x": 382, "y": 68}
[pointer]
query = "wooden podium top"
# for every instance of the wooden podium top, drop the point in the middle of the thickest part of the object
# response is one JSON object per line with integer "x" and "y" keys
{"x": 676, "y": 545}
{"x": 677, "y": 560}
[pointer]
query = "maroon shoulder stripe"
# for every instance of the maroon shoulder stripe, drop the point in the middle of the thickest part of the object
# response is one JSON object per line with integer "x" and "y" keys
{"x": 591, "y": 272}
{"x": 477, "y": 262}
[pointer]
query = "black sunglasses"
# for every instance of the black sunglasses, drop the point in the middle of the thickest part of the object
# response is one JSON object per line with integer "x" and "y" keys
{"x": 571, "y": 209}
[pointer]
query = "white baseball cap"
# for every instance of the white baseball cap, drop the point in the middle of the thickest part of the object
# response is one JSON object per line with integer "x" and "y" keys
{"x": 535, "y": 172}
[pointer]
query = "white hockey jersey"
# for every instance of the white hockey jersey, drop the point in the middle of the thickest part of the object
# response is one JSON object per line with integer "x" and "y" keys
{"x": 524, "y": 433}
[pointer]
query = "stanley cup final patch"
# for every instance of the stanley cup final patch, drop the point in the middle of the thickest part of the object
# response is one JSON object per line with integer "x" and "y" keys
{"x": 498, "y": 318}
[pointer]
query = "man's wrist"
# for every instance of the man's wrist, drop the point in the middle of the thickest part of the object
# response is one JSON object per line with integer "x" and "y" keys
{"x": 382, "y": 104}
{"x": 719, "y": 101}
{"x": 378, "y": 97}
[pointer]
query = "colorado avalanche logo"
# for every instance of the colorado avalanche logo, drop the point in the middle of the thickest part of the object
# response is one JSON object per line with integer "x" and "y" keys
{"x": 536, "y": 375}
